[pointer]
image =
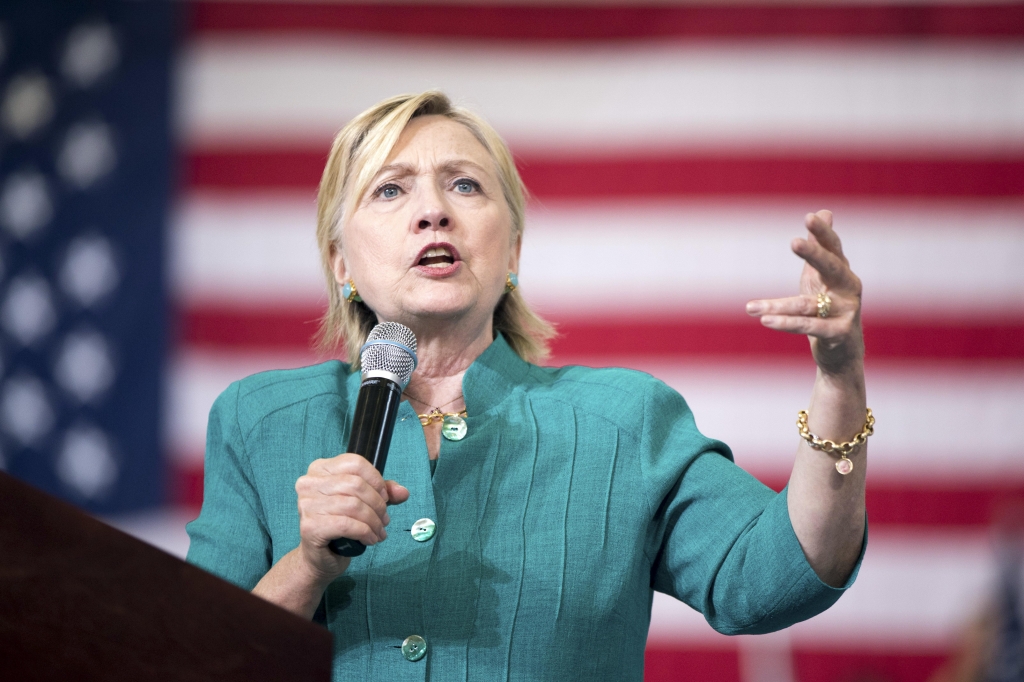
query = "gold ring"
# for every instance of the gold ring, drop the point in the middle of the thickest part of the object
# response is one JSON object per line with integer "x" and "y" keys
{"x": 824, "y": 305}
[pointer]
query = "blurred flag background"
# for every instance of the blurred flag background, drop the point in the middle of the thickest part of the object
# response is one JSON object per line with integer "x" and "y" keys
{"x": 157, "y": 204}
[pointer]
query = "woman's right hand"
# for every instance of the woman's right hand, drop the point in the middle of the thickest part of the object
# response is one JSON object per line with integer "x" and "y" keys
{"x": 342, "y": 497}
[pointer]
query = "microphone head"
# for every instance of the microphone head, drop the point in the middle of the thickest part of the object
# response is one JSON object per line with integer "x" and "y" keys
{"x": 390, "y": 347}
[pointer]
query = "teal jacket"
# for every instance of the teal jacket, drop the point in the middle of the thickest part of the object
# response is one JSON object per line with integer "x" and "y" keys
{"x": 575, "y": 493}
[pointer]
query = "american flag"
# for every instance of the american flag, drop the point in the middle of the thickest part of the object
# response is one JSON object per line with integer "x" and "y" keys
{"x": 85, "y": 149}
{"x": 671, "y": 152}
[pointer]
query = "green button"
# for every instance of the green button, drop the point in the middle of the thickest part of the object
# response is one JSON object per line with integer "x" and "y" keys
{"x": 414, "y": 648}
{"x": 454, "y": 427}
{"x": 423, "y": 530}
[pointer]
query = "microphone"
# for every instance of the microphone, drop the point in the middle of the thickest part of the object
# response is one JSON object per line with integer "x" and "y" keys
{"x": 388, "y": 359}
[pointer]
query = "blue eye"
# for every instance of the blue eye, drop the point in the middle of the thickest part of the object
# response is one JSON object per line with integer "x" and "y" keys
{"x": 388, "y": 191}
{"x": 466, "y": 186}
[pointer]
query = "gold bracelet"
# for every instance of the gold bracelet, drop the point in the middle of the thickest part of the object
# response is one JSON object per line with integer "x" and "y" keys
{"x": 844, "y": 465}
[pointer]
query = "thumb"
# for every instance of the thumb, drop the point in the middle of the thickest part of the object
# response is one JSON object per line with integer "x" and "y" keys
{"x": 397, "y": 493}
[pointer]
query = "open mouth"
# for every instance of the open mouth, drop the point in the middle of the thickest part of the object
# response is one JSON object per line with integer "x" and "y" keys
{"x": 439, "y": 256}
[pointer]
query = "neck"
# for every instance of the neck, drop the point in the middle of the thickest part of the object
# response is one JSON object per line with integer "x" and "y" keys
{"x": 445, "y": 352}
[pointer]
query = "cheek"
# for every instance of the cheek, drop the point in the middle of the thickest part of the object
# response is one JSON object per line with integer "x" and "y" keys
{"x": 369, "y": 247}
{"x": 496, "y": 239}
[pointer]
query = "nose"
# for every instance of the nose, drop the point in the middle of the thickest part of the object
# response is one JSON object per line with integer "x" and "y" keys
{"x": 433, "y": 211}
{"x": 426, "y": 223}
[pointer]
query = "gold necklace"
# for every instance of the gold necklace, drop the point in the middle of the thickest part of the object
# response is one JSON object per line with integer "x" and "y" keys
{"x": 453, "y": 424}
{"x": 436, "y": 415}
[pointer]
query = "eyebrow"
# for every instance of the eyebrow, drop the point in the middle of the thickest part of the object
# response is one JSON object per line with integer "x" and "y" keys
{"x": 457, "y": 164}
{"x": 449, "y": 166}
{"x": 400, "y": 168}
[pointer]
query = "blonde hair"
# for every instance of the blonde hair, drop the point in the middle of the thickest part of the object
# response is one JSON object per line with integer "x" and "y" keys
{"x": 358, "y": 153}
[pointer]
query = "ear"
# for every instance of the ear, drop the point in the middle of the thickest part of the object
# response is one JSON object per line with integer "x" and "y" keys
{"x": 513, "y": 259}
{"x": 337, "y": 259}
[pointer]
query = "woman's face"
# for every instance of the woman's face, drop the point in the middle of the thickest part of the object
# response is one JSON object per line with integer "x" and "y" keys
{"x": 431, "y": 239}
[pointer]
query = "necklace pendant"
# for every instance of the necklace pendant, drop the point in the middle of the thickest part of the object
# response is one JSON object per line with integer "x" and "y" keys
{"x": 844, "y": 466}
{"x": 453, "y": 427}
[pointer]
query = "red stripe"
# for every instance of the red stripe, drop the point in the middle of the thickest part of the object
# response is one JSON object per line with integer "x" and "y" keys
{"x": 262, "y": 329}
{"x": 945, "y": 504}
{"x": 230, "y": 168}
{"x": 185, "y": 486}
{"x": 722, "y": 664}
{"x": 720, "y": 174}
{"x": 597, "y": 339}
{"x": 576, "y": 23}
{"x": 744, "y": 336}
{"x": 784, "y": 175}
{"x": 663, "y": 664}
{"x": 830, "y": 665}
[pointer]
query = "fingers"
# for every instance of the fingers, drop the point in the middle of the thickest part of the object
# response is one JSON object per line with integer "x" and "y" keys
{"x": 397, "y": 493}
{"x": 837, "y": 339}
{"x": 786, "y": 316}
{"x": 349, "y": 479}
{"x": 794, "y": 305}
{"x": 833, "y": 270}
{"x": 798, "y": 324}
{"x": 324, "y": 519}
{"x": 350, "y": 464}
{"x": 345, "y": 496}
{"x": 820, "y": 226}
{"x": 829, "y": 330}
{"x": 799, "y": 314}
{"x": 390, "y": 491}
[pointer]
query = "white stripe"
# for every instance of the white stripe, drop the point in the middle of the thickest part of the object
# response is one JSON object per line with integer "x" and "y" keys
{"x": 195, "y": 380}
{"x": 164, "y": 528}
{"x": 918, "y": 411}
{"x": 753, "y": 408}
{"x": 774, "y": 93}
{"x": 248, "y": 251}
{"x": 936, "y": 259}
{"x": 913, "y": 590}
{"x": 939, "y": 260}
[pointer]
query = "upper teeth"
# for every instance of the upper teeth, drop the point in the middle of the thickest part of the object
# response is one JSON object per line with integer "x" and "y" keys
{"x": 437, "y": 251}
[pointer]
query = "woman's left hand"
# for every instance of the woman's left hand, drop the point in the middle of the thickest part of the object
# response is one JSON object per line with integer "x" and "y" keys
{"x": 837, "y": 341}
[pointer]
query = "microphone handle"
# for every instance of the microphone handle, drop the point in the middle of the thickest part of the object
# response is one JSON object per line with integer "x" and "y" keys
{"x": 372, "y": 426}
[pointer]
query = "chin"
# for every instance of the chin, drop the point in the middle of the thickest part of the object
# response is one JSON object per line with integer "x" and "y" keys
{"x": 448, "y": 313}
{"x": 441, "y": 307}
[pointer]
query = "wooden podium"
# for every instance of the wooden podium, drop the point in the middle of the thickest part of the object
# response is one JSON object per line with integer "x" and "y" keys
{"x": 80, "y": 600}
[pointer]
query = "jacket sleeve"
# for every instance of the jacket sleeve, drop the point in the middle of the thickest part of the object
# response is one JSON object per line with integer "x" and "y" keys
{"x": 230, "y": 537}
{"x": 722, "y": 541}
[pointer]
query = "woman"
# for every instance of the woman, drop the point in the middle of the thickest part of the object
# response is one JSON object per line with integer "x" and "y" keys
{"x": 532, "y": 549}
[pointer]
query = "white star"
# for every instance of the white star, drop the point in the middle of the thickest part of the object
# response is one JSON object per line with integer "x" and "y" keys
{"x": 87, "y": 155}
{"x": 27, "y": 105}
{"x": 25, "y": 411}
{"x": 27, "y": 313}
{"x": 84, "y": 368}
{"x": 89, "y": 272}
{"x": 25, "y": 204}
{"x": 91, "y": 52}
{"x": 85, "y": 463}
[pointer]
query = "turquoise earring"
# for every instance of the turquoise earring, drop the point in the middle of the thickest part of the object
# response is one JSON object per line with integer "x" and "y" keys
{"x": 511, "y": 282}
{"x": 349, "y": 293}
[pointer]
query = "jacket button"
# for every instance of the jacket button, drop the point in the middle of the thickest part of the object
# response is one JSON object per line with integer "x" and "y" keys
{"x": 423, "y": 530}
{"x": 414, "y": 648}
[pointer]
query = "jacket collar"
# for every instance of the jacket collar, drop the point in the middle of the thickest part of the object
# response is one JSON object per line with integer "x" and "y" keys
{"x": 493, "y": 377}
{"x": 489, "y": 380}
